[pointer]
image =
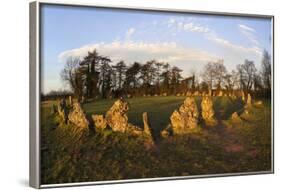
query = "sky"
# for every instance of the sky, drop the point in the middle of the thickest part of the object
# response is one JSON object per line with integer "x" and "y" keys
{"x": 188, "y": 41}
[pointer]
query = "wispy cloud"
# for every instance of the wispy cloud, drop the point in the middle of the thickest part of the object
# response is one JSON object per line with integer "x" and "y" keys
{"x": 189, "y": 26}
{"x": 232, "y": 46}
{"x": 246, "y": 28}
{"x": 249, "y": 33}
{"x": 209, "y": 34}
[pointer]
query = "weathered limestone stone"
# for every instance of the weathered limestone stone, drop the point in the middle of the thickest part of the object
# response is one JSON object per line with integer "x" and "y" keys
{"x": 116, "y": 116}
{"x": 164, "y": 94}
{"x": 208, "y": 111}
{"x": 62, "y": 113}
{"x": 185, "y": 118}
{"x": 178, "y": 94}
{"x": 196, "y": 93}
{"x": 54, "y": 109}
{"x": 258, "y": 103}
{"x": 78, "y": 117}
{"x": 188, "y": 93}
{"x": 165, "y": 133}
{"x": 146, "y": 125}
{"x": 83, "y": 99}
{"x": 99, "y": 121}
{"x": 70, "y": 100}
{"x": 235, "y": 117}
{"x": 249, "y": 100}
{"x": 243, "y": 96}
{"x": 220, "y": 93}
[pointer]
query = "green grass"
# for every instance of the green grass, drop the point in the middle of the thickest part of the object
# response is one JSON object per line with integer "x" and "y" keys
{"x": 226, "y": 148}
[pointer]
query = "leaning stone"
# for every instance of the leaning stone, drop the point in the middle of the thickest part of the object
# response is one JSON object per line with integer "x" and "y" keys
{"x": 78, "y": 117}
{"x": 208, "y": 111}
{"x": 116, "y": 117}
{"x": 185, "y": 118}
{"x": 99, "y": 121}
{"x": 146, "y": 125}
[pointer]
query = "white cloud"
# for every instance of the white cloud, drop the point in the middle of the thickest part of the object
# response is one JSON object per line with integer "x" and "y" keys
{"x": 195, "y": 28}
{"x": 249, "y": 33}
{"x": 142, "y": 51}
{"x": 234, "y": 47}
{"x": 246, "y": 28}
{"x": 186, "y": 25}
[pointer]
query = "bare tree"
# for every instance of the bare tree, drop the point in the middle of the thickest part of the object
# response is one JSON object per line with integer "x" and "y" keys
{"x": 73, "y": 76}
{"x": 213, "y": 74}
{"x": 247, "y": 73}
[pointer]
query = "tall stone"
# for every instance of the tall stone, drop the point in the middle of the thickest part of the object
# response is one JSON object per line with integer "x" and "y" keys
{"x": 78, "y": 117}
{"x": 185, "y": 118}
{"x": 208, "y": 111}
{"x": 62, "y": 113}
{"x": 146, "y": 125}
{"x": 249, "y": 100}
{"x": 70, "y": 100}
{"x": 243, "y": 96}
{"x": 116, "y": 116}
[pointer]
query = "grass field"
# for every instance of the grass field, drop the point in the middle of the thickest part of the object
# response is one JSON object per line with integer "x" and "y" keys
{"x": 228, "y": 147}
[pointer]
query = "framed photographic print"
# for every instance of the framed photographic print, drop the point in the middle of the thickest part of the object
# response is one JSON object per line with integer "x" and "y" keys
{"x": 130, "y": 94}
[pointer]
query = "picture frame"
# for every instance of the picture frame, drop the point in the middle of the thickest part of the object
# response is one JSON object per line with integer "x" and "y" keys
{"x": 38, "y": 52}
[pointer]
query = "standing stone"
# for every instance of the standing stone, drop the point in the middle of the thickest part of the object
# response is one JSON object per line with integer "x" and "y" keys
{"x": 249, "y": 100}
{"x": 208, "y": 111}
{"x": 185, "y": 118}
{"x": 62, "y": 113}
{"x": 146, "y": 125}
{"x": 99, "y": 121}
{"x": 70, "y": 100}
{"x": 220, "y": 93}
{"x": 243, "y": 96}
{"x": 78, "y": 117}
{"x": 116, "y": 116}
{"x": 54, "y": 109}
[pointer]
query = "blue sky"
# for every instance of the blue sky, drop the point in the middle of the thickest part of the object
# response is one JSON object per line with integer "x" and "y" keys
{"x": 188, "y": 41}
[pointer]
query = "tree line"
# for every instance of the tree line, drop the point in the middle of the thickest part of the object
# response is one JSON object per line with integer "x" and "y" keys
{"x": 97, "y": 76}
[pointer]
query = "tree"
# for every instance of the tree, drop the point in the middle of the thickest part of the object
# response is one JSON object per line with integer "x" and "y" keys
{"x": 213, "y": 74}
{"x": 175, "y": 79}
{"x": 148, "y": 73}
{"x": 120, "y": 69}
{"x": 166, "y": 77}
{"x": 131, "y": 79}
{"x": 89, "y": 68}
{"x": 73, "y": 76}
{"x": 230, "y": 80}
{"x": 247, "y": 73}
{"x": 105, "y": 76}
{"x": 266, "y": 70}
